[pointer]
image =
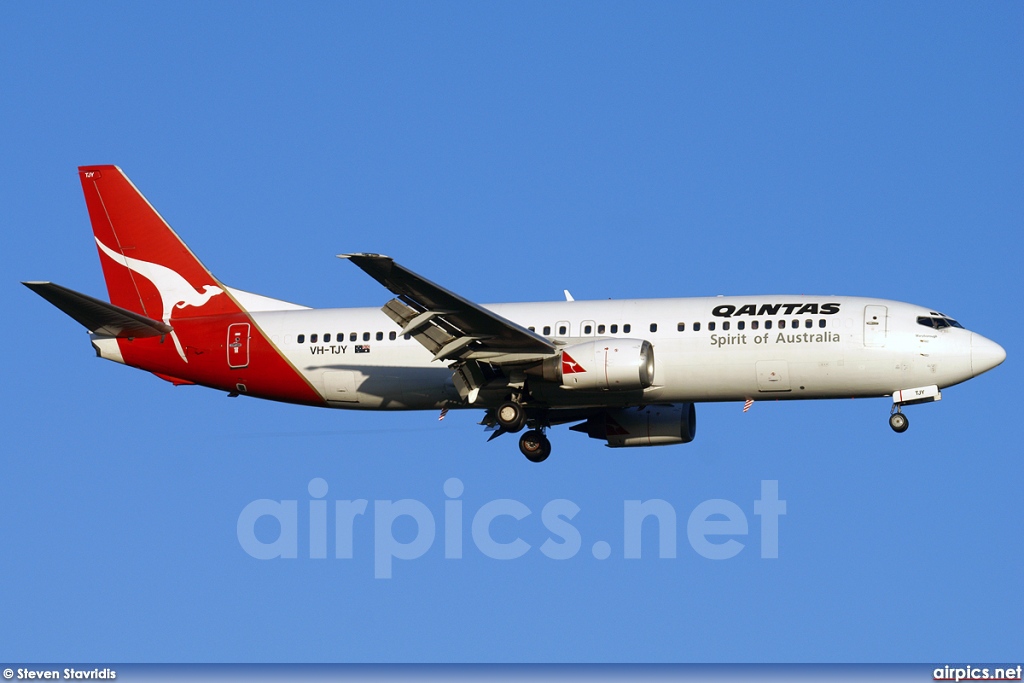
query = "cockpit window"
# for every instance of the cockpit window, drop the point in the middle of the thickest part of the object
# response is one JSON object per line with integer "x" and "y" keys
{"x": 937, "y": 322}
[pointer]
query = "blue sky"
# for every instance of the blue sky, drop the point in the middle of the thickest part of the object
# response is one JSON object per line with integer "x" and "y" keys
{"x": 509, "y": 151}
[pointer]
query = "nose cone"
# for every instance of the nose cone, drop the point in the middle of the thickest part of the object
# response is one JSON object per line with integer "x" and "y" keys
{"x": 985, "y": 354}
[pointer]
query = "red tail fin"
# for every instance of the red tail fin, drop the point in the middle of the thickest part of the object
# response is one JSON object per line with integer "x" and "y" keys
{"x": 148, "y": 269}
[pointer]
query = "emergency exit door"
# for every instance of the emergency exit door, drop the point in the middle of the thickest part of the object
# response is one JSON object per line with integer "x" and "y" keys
{"x": 238, "y": 345}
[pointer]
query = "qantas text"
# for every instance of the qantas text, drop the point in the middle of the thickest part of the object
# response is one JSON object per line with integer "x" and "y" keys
{"x": 728, "y": 310}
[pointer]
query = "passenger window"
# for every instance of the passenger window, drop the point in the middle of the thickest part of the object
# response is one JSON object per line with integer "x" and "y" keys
{"x": 312, "y": 339}
{"x": 380, "y": 336}
{"x": 711, "y": 325}
{"x": 681, "y": 327}
{"x": 406, "y": 337}
{"x": 547, "y": 330}
{"x": 600, "y": 329}
{"x": 725, "y": 325}
{"x": 740, "y": 325}
{"x": 301, "y": 339}
{"x": 392, "y": 336}
{"x": 654, "y": 327}
{"x": 562, "y": 330}
{"x": 795, "y": 325}
{"x": 808, "y": 323}
{"x": 327, "y": 337}
{"x": 366, "y": 336}
{"x": 767, "y": 324}
{"x": 587, "y": 329}
{"x": 782, "y": 324}
{"x": 615, "y": 329}
{"x": 532, "y": 329}
{"x": 626, "y": 328}
{"x": 696, "y": 327}
{"x": 754, "y": 324}
{"x": 353, "y": 336}
{"x": 821, "y": 323}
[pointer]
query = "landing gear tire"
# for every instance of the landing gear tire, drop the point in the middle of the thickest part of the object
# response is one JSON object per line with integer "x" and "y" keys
{"x": 899, "y": 422}
{"x": 535, "y": 446}
{"x": 511, "y": 416}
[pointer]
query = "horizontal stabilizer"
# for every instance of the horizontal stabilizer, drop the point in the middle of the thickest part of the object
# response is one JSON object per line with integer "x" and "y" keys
{"x": 97, "y": 316}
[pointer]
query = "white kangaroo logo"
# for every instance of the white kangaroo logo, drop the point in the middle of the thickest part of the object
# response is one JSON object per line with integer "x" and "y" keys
{"x": 175, "y": 291}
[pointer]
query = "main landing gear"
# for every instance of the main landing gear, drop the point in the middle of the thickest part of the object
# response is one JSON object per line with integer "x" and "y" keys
{"x": 535, "y": 446}
{"x": 511, "y": 416}
{"x": 897, "y": 420}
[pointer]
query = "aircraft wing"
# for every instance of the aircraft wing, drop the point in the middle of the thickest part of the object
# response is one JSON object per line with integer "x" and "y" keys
{"x": 446, "y": 324}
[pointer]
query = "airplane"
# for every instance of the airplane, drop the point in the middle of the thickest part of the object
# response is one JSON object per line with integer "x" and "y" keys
{"x": 626, "y": 372}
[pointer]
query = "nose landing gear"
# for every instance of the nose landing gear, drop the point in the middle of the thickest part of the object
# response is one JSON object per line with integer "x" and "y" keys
{"x": 908, "y": 397}
{"x": 897, "y": 420}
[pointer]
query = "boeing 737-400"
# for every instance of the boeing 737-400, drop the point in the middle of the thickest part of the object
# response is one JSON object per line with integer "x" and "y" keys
{"x": 627, "y": 372}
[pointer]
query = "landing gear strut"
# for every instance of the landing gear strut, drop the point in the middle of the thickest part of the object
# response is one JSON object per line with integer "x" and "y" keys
{"x": 535, "y": 446}
{"x": 511, "y": 416}
{"x": 897, "y": 420}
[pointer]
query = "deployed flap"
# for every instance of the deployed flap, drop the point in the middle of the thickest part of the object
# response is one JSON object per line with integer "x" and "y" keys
{"x": 448, "y": 325}
{"x": 97, "y": 316}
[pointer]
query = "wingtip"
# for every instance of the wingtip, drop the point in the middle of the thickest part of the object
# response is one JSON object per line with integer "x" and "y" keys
{"x": 363, "y": 255}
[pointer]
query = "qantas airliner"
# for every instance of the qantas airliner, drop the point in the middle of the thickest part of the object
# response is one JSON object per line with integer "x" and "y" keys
{"x": 627, "y": 372}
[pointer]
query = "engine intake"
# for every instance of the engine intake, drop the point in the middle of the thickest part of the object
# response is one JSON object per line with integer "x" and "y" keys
{"x": 648, "y": 426}
{"x": 604, "y": 364}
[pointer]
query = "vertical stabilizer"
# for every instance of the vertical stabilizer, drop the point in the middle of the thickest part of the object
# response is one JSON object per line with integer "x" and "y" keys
{"x": 148, "y": 269}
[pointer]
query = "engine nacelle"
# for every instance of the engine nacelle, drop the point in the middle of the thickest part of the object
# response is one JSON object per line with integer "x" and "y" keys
{"x": 604, "y": 364}
{"x": 648, "y": 426}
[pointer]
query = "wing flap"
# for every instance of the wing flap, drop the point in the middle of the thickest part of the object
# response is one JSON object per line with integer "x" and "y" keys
{"x": 99, "y": 317}
{"x": 446, "y": 324}
{"x": 442, "y": 341}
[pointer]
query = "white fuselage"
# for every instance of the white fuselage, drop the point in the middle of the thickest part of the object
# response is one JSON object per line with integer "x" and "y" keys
{"x": 868, "y": 347}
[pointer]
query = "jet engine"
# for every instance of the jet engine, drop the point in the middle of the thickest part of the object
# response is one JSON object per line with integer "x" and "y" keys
{"x": 647, "y": 426}
{"x": 604, "y": 364}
